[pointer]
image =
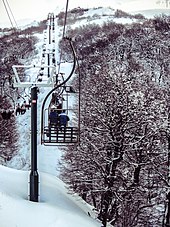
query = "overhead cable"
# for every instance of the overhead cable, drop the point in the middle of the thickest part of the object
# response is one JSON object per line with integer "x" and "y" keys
{"x": 12, "y": 14}
{"x": 64, "y": 31}
{"x": 9, "y": 11}
{"x": 65, "y": 19}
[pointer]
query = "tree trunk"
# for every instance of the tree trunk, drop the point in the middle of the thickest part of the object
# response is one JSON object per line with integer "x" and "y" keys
{"x": 167, "y": 220}
{"x": 136, "y": 174}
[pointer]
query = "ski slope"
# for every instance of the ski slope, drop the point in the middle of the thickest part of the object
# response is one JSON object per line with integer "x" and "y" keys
{"x": 56, "y": 206}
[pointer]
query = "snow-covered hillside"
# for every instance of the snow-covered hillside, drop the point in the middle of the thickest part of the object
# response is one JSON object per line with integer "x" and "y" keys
{"x": 150, "y": 13}
{"x": 57, "y": 207}
{"x": 100, "y": 15}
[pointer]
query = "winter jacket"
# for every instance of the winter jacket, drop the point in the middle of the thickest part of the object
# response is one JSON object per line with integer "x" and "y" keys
{"x": 63, "y": 119}
{"x": 53, "y": 117}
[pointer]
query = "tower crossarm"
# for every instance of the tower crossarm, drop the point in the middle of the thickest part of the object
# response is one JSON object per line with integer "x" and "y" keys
{"x": 21, "y": 77}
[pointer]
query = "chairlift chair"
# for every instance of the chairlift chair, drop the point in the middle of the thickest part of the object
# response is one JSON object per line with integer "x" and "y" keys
{"x": 55, "y": 134}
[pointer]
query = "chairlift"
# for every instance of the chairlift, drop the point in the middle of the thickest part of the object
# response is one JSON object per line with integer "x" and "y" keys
{"x": 12, "y": 109}
{"x": 55, "y": 131}
{"x": 23, "y": 105}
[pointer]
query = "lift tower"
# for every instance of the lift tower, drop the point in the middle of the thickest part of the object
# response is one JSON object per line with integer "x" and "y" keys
{"x": 18, "y": 82}
{"x": 46, "y": 76}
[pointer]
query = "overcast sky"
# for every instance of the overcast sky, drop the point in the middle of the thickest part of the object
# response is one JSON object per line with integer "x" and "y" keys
{"x": 39, "y": 9}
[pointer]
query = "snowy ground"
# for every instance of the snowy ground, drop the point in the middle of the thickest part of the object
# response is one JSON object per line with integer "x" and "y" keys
{"x": 56, "y": 206}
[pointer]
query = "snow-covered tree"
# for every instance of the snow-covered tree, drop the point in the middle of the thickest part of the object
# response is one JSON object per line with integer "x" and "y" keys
{"x": 164, "y": 2}
{"x": 121, "y": 163}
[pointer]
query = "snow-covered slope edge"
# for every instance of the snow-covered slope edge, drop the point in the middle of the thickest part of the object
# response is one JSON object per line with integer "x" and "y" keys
{"x": 56, "y": 207}
{"x": 151, "y": 13}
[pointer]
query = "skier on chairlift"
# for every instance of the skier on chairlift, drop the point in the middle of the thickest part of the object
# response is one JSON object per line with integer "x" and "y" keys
{"x": 53, "y": 117}
{"x": 63, "y": 119}
{"x": 23, "y": 108}
{"x": 18, "y": 109}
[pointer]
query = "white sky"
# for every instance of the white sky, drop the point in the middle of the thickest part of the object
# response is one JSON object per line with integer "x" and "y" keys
{"x": 35, "y": 9}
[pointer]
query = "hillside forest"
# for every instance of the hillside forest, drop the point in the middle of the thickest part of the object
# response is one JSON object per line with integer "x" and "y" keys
{"x": 16, "y": 48}
{"x": 121, "y": 165}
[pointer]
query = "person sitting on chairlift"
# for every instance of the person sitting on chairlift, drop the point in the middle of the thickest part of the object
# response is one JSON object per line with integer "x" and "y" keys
{"x": 27, "y": 105}
{"x": 23, "y": 108}
{"x": 63, "y": 119}
{"x": 18, "y": 109}
{"x": 59, "y": 108}
{"x": 53, "y": 117}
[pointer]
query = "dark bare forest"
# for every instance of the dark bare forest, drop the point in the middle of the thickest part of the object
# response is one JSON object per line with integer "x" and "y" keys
{"x": 121, "y": 165}
{"x": 15, "y": 48}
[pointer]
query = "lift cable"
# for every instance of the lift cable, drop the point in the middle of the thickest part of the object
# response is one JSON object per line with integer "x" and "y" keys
{"x": 64, "y": 31}
{"x": 9, "y": 96}
{"x": 8, "y": 13}
{"x": 79, "y": 72}
{"x": 12, "y": 14}
{"x": 65, "y": 19}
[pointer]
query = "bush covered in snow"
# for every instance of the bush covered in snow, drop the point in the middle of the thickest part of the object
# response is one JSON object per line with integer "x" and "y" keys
{"x": 14, "y": 47}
